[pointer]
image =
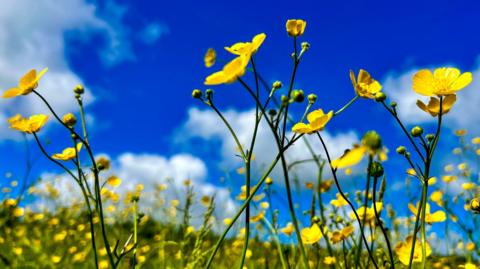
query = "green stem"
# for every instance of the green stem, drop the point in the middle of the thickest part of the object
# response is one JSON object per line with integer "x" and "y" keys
{"x": 346, "y": 106}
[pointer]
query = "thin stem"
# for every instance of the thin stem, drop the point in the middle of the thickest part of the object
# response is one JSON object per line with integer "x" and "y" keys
{"x": 334, "y": 173}
{"x": 380, "y": 224}
{"x": 346, "y": 106}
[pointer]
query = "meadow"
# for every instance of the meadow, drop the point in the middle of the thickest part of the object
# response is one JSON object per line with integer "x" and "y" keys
{"x": 341, "y": 226}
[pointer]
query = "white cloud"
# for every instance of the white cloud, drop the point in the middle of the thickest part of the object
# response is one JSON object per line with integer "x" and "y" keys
{"x": 205, "y": 124}
{"x": 398, "y": 86}
{"x": 32, "y": 35}
{"x": 150, "y": 170}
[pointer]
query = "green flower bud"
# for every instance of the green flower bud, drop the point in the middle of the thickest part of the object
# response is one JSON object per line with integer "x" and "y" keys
{"x": 429, "y": 137}
{"x": 305, "y": 46}
{"x": 393, "y": 104}
{"x": 272, "y": 112}
{"x": 79, "y": 89}
{"x": 315, "y": 219}
{"x": 312, "y": 98}
{"x": 209, "y": 93}
{"x": 277, "y": 85}
{"x": 372, "y": 140}
{"x": 298, "y": 96}
{"x": 416, "y": 131}
{"x": 197, "y": 94}
{"x": 401, "y": 150}
{"x": 284, "y": 99}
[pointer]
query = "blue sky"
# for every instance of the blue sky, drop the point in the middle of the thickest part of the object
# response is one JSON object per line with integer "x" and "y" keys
{"x": 141, "y": 59}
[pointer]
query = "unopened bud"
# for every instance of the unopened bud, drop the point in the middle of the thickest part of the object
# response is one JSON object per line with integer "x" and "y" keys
{"x": 401, "y": 150}
{"x": 312, "y": 98}
{"x": 416, "y": 131}
{"x": 197, "y": 94}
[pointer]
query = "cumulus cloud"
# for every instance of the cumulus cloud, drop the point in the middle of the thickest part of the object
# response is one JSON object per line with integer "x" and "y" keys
{"x": 398, "y": 86}
{"x": 206, "y": 125}
{"x": 37, "y": 40}
{"x": 150, "y": 170}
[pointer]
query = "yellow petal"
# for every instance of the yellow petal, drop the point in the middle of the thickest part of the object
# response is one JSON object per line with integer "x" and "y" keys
{"x": 462, "y": 81}
{"x": 301, "y": 128}
{"x": 438, "y": 216}
{"x": 12, "y": 93}
{"x": 423, "y": 82}
{"x": 350, "y": 158}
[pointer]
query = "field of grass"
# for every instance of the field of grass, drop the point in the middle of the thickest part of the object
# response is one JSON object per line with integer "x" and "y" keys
{"x": 93, "y": 225}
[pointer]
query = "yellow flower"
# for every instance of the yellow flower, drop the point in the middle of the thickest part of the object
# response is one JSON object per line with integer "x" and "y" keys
{"x": 247, "y": 48}
{"x": 341, "y": 235}
{"x": 371, "y": 144}
{"x": 339, "y": 202}
{"x": 329, "y": 260}
{"x": 295, "y": 27}
{"x": 368, "y": 213}
{"x": 114, "y": 181}
{"x": 236, "y": 68}
{"x": 433, "y": 106}
{"x": 350, "y": 158}
{"x": 288, "y": 229}
{"x": 311, "y": 235}
{"x": 258, "y": 217}
{"x": 476, "y": 140}
{"x": 436, "y": 197}
{"x": 31, "y": 125}
{"x": 317, "y": 120}
{"x": 230, "y": 72}
{"x": 210, "y": 57}
{"x": 68, "y": 153}
{"x": 468, "y": 266}
{"x": 437, "y": 216}
{"x": 449, "y": 178}
{"x": 443, "y": 81}
{"x": 468, "y": 186}
{"x": 403, "y": 249}
{"x": 26, "y": 85}
{"x": 365, "y": 86}
{"x": 325, "y": 185}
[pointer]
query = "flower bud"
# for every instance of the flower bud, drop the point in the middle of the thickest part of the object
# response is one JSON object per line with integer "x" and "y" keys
{"x": 69, "y": 119}
{"x": 79, "y": 89}
{"x": 393, "y": 104}
{"x": 298, "y": 96}
{"x": 272, "y": 112}
{"x": 372, "y": 140}
{"x": 416, "y": 131}
{"x": 268, "y": 181}
{"x": 305, "y": 46}
{"x": 401, "y": 150}
{"x": 103, "y": 163}
{"x": 277, "y": 85}
{"x": 312, "y": 98}
{"x": 429, "y": 137}
{"x": 315, "y": 219}
{"x": 284, "y": 99}
{"x": 380, "y": 97}
{"x": 376, "y": 169}
{"x": 295, "y": 28}
{"x": 209, "y": 93}
{"x": 197, "y": 94}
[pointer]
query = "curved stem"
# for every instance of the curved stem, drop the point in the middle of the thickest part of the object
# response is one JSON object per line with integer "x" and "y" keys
{"x": 334, "y": 173}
